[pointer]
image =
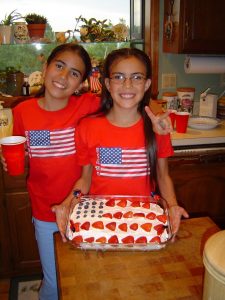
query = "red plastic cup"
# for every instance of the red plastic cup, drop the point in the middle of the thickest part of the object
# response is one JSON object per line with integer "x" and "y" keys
{"x": 172, "y": 116}
{"x": 182, "y": 121}
{"x": 13, "y": 151}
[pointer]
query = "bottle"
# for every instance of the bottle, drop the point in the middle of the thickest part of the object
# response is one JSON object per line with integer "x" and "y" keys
{"x": 26, "y": 87}
{"x": 4, "y": 122}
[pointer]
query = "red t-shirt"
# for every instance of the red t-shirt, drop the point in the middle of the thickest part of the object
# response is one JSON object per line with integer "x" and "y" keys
{"x": 53, "y": 167}
{"x": 118, "y": 156}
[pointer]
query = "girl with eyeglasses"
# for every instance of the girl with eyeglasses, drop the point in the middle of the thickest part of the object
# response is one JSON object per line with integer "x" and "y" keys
{"x": 117, "y": 148}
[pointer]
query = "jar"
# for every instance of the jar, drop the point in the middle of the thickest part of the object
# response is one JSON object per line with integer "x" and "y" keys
{"x": 221, "y": 108}
{"x": 186, "y": 99}
{"x": 171, "y": 100}
{"x": 21, "y": 35}
{"x": 14, "y": 83}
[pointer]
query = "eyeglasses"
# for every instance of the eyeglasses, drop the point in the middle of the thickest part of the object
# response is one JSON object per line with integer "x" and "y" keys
{"x": 136, "y": 79}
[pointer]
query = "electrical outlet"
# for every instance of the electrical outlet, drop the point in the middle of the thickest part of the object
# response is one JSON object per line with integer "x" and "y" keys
{"x": 169, "y": 81}
{"x": 222, "y": 80}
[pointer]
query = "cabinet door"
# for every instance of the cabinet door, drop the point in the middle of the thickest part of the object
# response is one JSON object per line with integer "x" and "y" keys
{"x": 200, "y": 188}
{"x": 200, "y": 27}
{"x": 5, "y": 259}
{"x": 24, "y": 250}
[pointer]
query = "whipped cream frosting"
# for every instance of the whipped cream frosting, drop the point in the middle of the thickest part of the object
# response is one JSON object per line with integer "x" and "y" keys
{"x": 133, "y": 218}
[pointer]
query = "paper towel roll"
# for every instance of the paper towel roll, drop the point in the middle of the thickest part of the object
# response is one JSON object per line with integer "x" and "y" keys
{"x": 204, "y": 64}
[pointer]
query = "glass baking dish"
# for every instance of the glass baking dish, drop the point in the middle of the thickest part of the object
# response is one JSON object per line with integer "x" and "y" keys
{"x": 135, "y": 205}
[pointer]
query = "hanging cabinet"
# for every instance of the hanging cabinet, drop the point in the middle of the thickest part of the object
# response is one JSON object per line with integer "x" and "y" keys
{"x": 194, "y": 26}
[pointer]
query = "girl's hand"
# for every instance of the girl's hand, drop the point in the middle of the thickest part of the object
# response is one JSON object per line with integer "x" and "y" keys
{"x": 62, "y": 212}
{"x": 161, "y": 122}
{"x": 176, "y": 213}
{"x": 4, "y": 164}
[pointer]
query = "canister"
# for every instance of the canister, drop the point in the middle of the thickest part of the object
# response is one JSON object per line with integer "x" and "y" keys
{"x": 214, "y": 262}
{"x": 221, "y": 108}
{"x": 186, "y": 98}
{"x": 171, "y": 100}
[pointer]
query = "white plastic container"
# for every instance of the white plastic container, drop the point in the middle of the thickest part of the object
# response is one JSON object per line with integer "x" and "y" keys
{"x": 214, "y": 262}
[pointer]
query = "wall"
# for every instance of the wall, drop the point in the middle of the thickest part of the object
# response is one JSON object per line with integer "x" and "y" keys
{"x": 174, "y": 63}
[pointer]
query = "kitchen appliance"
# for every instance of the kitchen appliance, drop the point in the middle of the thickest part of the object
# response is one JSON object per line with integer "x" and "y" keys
{"x": 208, "y": 104}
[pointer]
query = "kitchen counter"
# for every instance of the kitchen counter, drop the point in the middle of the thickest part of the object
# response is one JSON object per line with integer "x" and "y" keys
{"x": 199, "y": 137}
{"x": 136, "y": 275}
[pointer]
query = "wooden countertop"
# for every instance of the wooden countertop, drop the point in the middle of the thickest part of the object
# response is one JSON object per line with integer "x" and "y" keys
{"x": 175, "y": 272}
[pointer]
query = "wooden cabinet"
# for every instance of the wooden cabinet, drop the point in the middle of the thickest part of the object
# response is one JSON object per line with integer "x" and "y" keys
{"x": 200, "y": 184}
{"x": 19, "y": 252}
{"x": 195, "y": 26}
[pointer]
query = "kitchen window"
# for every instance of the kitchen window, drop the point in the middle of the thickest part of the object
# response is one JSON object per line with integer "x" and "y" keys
{"x": 62, "y": 15}
{"x": 142, "y": 16}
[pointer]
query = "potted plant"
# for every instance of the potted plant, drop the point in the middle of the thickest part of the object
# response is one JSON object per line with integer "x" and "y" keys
{"x": 36, "y": 25}
{"x": 94, "y": 30}
{"x": 6, "y": 26}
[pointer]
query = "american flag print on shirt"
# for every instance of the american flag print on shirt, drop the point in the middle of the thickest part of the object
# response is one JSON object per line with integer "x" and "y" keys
{"x": 119, "y": 162}
{"x": 47, "y": 143}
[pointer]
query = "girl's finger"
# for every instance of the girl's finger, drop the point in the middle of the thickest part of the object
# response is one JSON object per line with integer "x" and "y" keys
{"x": 150, "y": 114}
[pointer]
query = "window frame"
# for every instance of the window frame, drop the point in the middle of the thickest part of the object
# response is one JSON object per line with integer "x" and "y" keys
{"x": 148, "y": 40}
{"x": 152, "y": 40}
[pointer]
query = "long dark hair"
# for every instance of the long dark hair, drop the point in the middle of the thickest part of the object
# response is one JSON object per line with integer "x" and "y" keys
{"x": 107, "y": 101}
{"x": 76, "y": 49}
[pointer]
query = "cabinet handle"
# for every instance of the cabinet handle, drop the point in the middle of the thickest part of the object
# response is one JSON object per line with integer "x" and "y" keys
{"x": 198, "y": 159}
{"x": 184, "y": 160}
{"x": 186, "y": 30}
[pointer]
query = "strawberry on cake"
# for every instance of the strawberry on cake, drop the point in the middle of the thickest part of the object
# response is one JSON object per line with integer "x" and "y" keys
{"x": 118, "y": 220}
